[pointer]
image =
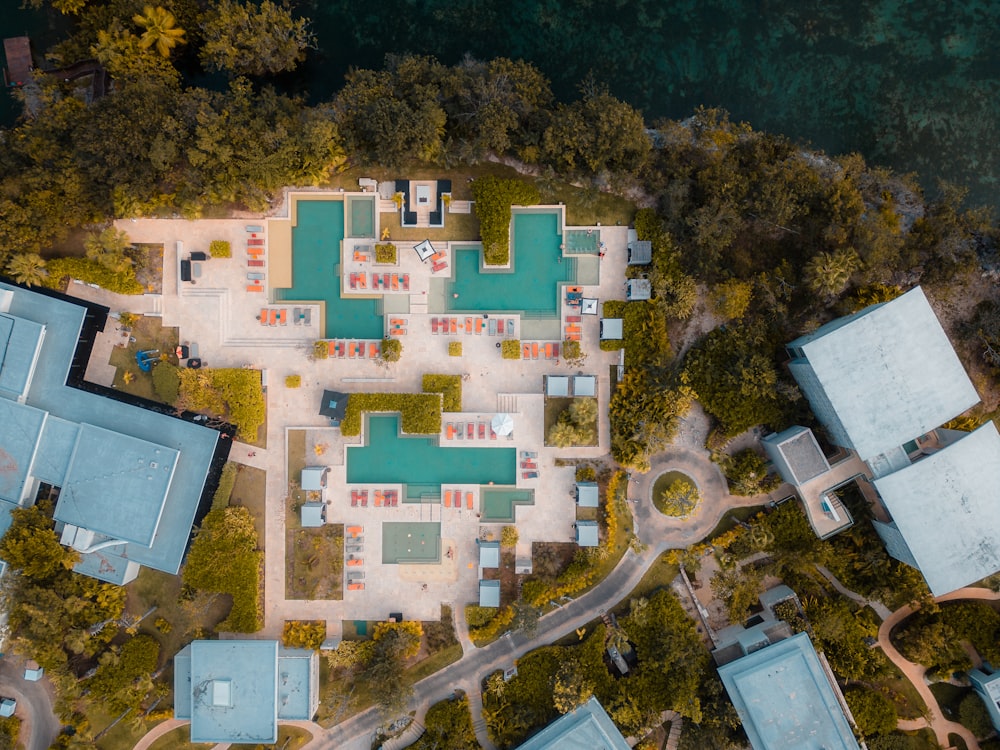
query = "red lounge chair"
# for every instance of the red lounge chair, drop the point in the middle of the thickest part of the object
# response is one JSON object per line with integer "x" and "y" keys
{"x": 572, "y": 318}
{"x": 353, "y": 281}
{"x": 355, "y": 563}
{"x": 500, "y": 326}
{"x": 257, "y": 242}
{"x": 364, "y": 498}
{"x": 472, "y": 431}
{"x": 354, "y": 499}
{"x": 406, "y": 282}
{"x": 256, "y": 263}
{"x": 434, "y": 325}
{"x": 468, "y": 501}
{"x": 555, "y": 351}
{"x": 482, "y": 430}
{"x": 438, "y": 267}
{"x": 355, "y": 587}
{"x": 493, "y": 435}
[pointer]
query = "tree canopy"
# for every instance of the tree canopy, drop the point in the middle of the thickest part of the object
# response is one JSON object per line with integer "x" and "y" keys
{"x": 253, "y": 39}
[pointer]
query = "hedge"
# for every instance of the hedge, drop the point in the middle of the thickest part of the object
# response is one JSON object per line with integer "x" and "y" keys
{"x": 612, "y": 345}
{"x": 493, "y": 198}
{"x": 510, "y": 349}
{"x": 91, "y": 272}
{"x": 227, "y": 481}
{"x": 483, "y": 635}
{"x": 220, "y": 249}
{"x": 293, "y": 381}
{"x": 385, "y": 253}
{"x": 420, "y": 413}
{"x": 167, "y": 382}
{"x": 450, "y": 388}
{"x": 236, "y": 390}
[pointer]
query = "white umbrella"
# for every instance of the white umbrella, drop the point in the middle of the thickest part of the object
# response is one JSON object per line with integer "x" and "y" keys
{"x": 503, "y": 424}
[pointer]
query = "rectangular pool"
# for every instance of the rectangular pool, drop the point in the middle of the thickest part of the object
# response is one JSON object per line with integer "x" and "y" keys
{"x": 419, "y": 462}
{"x": 582, "y": 241}
{"x": 362, "y": 213}
{"x": 316, "y": 241}
{"x": 410, "y": 542}
{"x": 498, "y": 504}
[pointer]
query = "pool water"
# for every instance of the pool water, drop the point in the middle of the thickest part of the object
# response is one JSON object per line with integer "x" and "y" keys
{"x": 418, "y": 462}
{"x": 582, "y": 241}
{"x": 410, "y": 542}
{"x": 362, "y": 217}
{"x": 498, "y": 504}
{"x": 316, "y": 241}
{"x": 530, "y": 286}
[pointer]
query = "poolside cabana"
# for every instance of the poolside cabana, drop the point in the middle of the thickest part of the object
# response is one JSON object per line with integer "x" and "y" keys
{"x": 556, "y": 386}
{"x": 611, "y": 329}
{"x": 313, "y": 515}
{"x": 584, "y": 385}
{"x": 588, "y": 306}
{"x": 638, "y": 289}
{"x": 489, "y": 554}
{"x": 489, "y": 593}
{"x": 333, "y": 405}
{"x": 313, "y": 478}
{"x": 586, "y": 494}
{"x": 424, "y": 250}
{"x": 586, "y": 533}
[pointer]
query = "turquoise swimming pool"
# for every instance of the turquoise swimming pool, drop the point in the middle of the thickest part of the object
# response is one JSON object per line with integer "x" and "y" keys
{"x": 410, "y": 542}
{"x": 530, "y": 286}
{"x": 316, "y": 240}
{"x": 497, "y": 504}
{"x": 419, "y": 462}
{"x": 582, "y": 241}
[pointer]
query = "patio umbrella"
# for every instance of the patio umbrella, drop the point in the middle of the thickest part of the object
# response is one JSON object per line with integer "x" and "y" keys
{"x": 503, "y": 424}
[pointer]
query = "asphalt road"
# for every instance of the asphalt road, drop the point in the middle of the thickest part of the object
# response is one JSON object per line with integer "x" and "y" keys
{"x": 39, "y": 725}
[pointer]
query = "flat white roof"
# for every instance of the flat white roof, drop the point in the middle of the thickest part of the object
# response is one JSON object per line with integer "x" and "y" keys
{"x": 557, "y": 385}
{"x": 947, "y": 509}
{"x": 584, "y": 385}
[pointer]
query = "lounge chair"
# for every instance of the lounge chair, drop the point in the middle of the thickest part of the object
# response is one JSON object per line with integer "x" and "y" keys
{"x": 352, "y": 349}
{"x": 510, "y": 326}
{"x": 373, "y": 350}
{"x": 450, "y": 431}
{"x": 453, "y": 325}
{"x": 468, "y": 325}
{"x": 353, "y": 280}
{"x": 357, "y": 562}
{"x": 254, "y": 228}
{"x": 526, "y": 351}
{"x": 355, "y": 531}
{"x": 472, "y": 431}
{"x": 406, "y": 282}
{"x": 331, "y": 349}
{"x": 395, "y": 498}
{"x": 493, "y": 434}
{"x": 307, "y": 316}
{"x": 479, "y": 326}
{"x": 378, "y": 498}
{"x": 555, "y": 350}
{"x": 273, "y": 318}
{"x": 529, "y": 454}
{"x": 386, "y": 283}
{"x": 448, "y": 494}
{"x": 395, "y": 282}
{"x": 500, "y": 326}
{"x": 529, "y": 475}
{"x": 548, "y": 351}
{"x": 493, "y": 327}
{"x": 256, "y": 263}
{"x": 482, "y": 430}
{"x": 257, "y": 242}
{"x": 364, "y": 498}
{"x": 355, "y": 587}
{"x": 282, "y": 317}
{"x": 573, "y": 318}
{"x": 534, "y": 350}
{"x": 255, "y": 288}
{"x": 469, "y": 503}
{"x": 255, "y": 276}
{"x": 263, "y": 316}
{"x": 297, "y": 315}
{"x": 434, "y": 325}
{"x": 362, "y": 281}
{"x": 438, "y": 267}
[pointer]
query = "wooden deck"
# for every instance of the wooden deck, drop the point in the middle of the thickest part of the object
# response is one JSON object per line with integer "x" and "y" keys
{"x": 19, "y": 66}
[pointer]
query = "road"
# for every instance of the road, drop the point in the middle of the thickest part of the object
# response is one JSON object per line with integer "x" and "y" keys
{"x": 39, "y": 725}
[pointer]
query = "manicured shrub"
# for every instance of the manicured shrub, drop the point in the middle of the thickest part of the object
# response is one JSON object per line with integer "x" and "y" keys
{"x": 508, "y": 536}
{"x": 572, "y": 351}
{"x": 321, "y": 350}
{"x": 385, "y": 252}
{"x": 91, "y": 272}
{"x": 167, "y": 382}
{"x": 493, "y": 198}
{"x": 392, "y": 350}
{"x": 585, "y": 474}
{"x": 420, "y": 413}
{"x": 293, "y": 381}
{"x": 220, "y": 249}
{"x": 231, "y": 392}
{"x": 476, "y": 616}
{"x": 612, "y": 345}
{"x": 304, "y": 634}
{"x": 227, "y": 480}
{"x": 454, "y": 348}
{"x": 450, "y": 388}
{"x": 510, "y": 349}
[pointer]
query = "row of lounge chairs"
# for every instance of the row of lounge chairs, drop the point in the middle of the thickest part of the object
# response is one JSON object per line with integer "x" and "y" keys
{"x": 273, "y": 317}
{"x": 391, "y": 281}
{"x": 573, "y": 331}
{"x": 477, "y": 325}
{"x": 354, "y": 349}
{"x": 438, "y": 261}
{"x": 386, "y": 498}
{"x": 529, "y": 465}
{"x": 455, "y": 497}
{"x": 397, "y": 326}
{"x": 534, "y": 349}
{"x": 469, "y": 430}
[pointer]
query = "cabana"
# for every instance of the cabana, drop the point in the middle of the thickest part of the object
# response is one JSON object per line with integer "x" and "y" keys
{"x": 586, "y": 494}
{"x": 313, "y": 515}
{"x": 489, "y": 593}
{"x": 556, "y": 386}
{"x": 584, "y": 385}
{"x": 424, "y": 250}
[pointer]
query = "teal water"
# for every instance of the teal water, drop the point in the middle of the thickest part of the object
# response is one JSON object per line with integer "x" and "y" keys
{"x": 531, "y": 286}
{"x": 911, "y": 84}
{"x": 582, "y": 241}
{"x": 498, "y": 504}
{"x": 389, "y": 458}
{"x": 362, "y": 217}
{"x": 316, "y": 242}
{"x": 410, "y": 542}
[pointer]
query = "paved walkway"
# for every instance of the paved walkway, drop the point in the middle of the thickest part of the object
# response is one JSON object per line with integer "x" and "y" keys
{"x": 158, "y": 731}
{"x": 39, "y": 724}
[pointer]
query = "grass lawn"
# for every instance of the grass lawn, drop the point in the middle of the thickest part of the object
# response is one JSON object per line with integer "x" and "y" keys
{"x": 122, "y": 736}
{"x": 249, "y": 491}
{"x": 296, "y": 463}
{"x": 554, "y": 407}
{"x": 948, "y": 697}
{"x": 922, "y": 739}
{"x": 732, "y": 518}
{"x": 586, "y": 514}
{"x": 587, "y": 207}
{"x": 909, "y": 704}
{"x": 457, "y": 227}
{"x": 434, "y": 662}
{"x": 314, "y": 562}
{"x": 677, "y": 507}
{"x": 148, "y": 334}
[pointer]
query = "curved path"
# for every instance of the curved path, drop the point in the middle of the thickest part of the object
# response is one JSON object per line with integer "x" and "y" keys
{"x": 39, "y": 725}
{"x": 158, "y": 731}
{"x": 941, "y": 726}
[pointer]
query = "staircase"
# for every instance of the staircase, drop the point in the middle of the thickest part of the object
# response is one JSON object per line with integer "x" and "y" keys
{"x": 155, "y": 305}
{"x": 507, "y": 403}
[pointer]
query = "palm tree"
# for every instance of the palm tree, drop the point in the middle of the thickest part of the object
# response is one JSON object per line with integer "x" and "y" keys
{"x": 828, "y": 274}
{"x": 160, "y": 29}
{"x": 27, "y": 269}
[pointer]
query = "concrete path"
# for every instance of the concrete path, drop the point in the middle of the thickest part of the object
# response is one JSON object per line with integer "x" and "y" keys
{"x": 158, "y": 731}
{"x": 880, "y": 609}
{"x": 39, "y": 724}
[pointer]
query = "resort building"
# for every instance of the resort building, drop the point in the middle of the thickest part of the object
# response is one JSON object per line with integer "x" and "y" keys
{"x": 238, "y": 691}
{"x": 587, "y": 726}
{"x": 987, "y": 686}
{"x": 128, "y": 481}
{"x": 787, "y": 699}
{"x": 883, "y": 382}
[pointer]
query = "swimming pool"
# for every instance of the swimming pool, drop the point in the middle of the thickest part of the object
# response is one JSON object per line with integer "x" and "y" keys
{"x": 497, "y": 504}
{"x": 582, "y": 241}
{"x": 419, "y": 462}
{"x": 410, "y": 542}
{"x": 362, "y": 213}
{"x": 316, "y": 241}
{"x": 530, "y": 286}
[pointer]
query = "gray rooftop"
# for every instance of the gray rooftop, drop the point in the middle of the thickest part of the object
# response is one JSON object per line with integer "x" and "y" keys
{"x": 586, "y": 494}
{"x": 49, "y": 392}
{"x": 588, "y": 726}
{"x": 785, "y": 699}
{"x": 22, "y": 428}
{"x": 489, "y": 554}
{"x": 640, "y": 252}
{"x": 638, "y": 289}
{"x": 489, "y": 593}
{"x": 945, "y": 506}
{"x": 796, "y": 454}
{"x": 586, "y": 534}
{"x": 312, "y": 477}
{"x": 612, "y": 329}
{"x": 298, "y": 684}
{"x": 311, "y": 515}
{"x": 556, "y": 385}
{"x": 584, "y": 385}
{"x": 888, "y": 373}
{"x": 19, "y": 343}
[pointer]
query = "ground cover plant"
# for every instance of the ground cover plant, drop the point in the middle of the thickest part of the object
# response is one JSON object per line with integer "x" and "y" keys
{"x": 494, "y": 197}
{"x": 420, "y": 413}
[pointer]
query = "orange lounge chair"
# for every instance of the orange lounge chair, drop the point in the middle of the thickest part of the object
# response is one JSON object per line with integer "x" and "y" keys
{"x": 373, "y": 350}
{"x": 255, "y": 288}
{"x": 355, "y": 530}
{"x": 395, "y": 282}
{"x": 362, "y": 281}
{"x": 450, "y": 431}
{"x": 479, "y": 326}
{"x": 352, "y": 349}
{"x": 454, "y": 325}
{"x": 331, "y": 348}
{"x": 468, "y": 501}
{"x": 468, "y": 325}
{"x": 355, "y": 563}
{"x": 378, "y": 499}
{"x": 263, "y": 316}
{"x": 447, "y": 498}
{"x": 534, "y": 351}
{"x": 355, "y": 587}
{"x": 273, "y": 319}
{"x": 526, "y": 351}
{"x": 548, "y": 351}
{"x": 282, "y": 315}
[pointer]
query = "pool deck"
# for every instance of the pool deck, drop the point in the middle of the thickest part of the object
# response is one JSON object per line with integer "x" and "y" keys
{"x": 222, "y": 317}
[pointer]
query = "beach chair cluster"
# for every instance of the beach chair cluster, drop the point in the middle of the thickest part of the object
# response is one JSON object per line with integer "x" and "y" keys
{"x": 358, "y": 280}
{"x": 573, "y": 330}
{"x": 529, "y": 465}
{"x": 354, "y": 546}
{"x": 359, "y": 497}
{"x": 390, "y": 282}
{"x": 473, "y": 325}
{"x": 255, "y": 258}
{"x": 477, "y": 430}
{"x": 362, "y": 256}
{"x": 397, "y": 326}
{"x": 273, "y": 316}
{"x": 386, "y": 498}
{"x": 453, "y": 499}
{"x": 354, "y": 349}
{"x": 302, "y": 316}
{"x": 439, "y": 261}
{"x": 574, "y": 296}
{"x": 536, "y": 350}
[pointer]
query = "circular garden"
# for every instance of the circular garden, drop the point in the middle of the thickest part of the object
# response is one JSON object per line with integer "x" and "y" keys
{"x": 675, "y": 494}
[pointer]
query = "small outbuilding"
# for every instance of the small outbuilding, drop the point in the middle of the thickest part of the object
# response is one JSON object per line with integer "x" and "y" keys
{"x": 557, "y": 386}
{"x": 612, "y": 329}
{"x": 7, "y": 707}
{"x": 333, "y": 406}
{"x": 640, "y": 253}
{"x": 33, "y": 672}
{"x": 584, "y": 385}
{"x": 313, "y": 515}
{"x": 638, "y": 289}
{"x": 489, "y": 593}
{"x": 314, "y": 478}
{"x": 489, "y": 554}
{"x": 586, "y": 494}
{"x": 586, "y": 533}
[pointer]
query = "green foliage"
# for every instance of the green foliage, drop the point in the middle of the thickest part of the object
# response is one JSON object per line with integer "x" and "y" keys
{"x": 293, "y": 381}
{"x": 510, "y": 349}
{"x": 872, "y": 294}
{"x": 232, "y": 392}
{"x": 91, "y": 272}
{"x": 972, "y": 715}
{"x": 730, "y": 299}
{"x": 385, "y": 252}
{"x": 840, "y": 632}
{"x": 253, "y": 39}
{"x": 321, "y": 350}
{"x": 595, "y": 134}
{"x": 10, "y": 730}
{"x": 508, "y": 536}
{"x": 123, "y": 679}
{"x": 159, "y": 30}
{"x": 873, "y": 712}
{"x": 746, "y": 473}
{"x": 572, "y": 352}
{"x": 739, "y": 588}
{"x": 224, "y": 559}
{"x": 308, "y": 634}
{"x": 494, "y": 197}
{"x": 586, "y": 474}
{"x": 678, "y": 499}
{"x": 220, "y": 249}
{"x": 644, "y": 417}
{"x": 828, "y": 274}
{"x": 32, "y": 548}
{"x": 448, "y": 724}
{"x": 647, "y": 344}
{"x": 611, "y": 345}
{"x": 391, "y": 350}
{"x": 167, "y": 382}
{"x": 454, "y": 348}
{"x": 450, "y": 388}
{"x": 420, "y": 413}
{"x": 477, "y": 617}
{"x": 392, "y": 645}
{"x": 227, "y": 481}
{"x": 577, "y": 425}
{"x": 733, "y": 374}
{"x": 27, "y": 269}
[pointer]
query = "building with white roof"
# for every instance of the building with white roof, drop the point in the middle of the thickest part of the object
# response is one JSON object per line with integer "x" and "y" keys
{"x": 587, "y": 726}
